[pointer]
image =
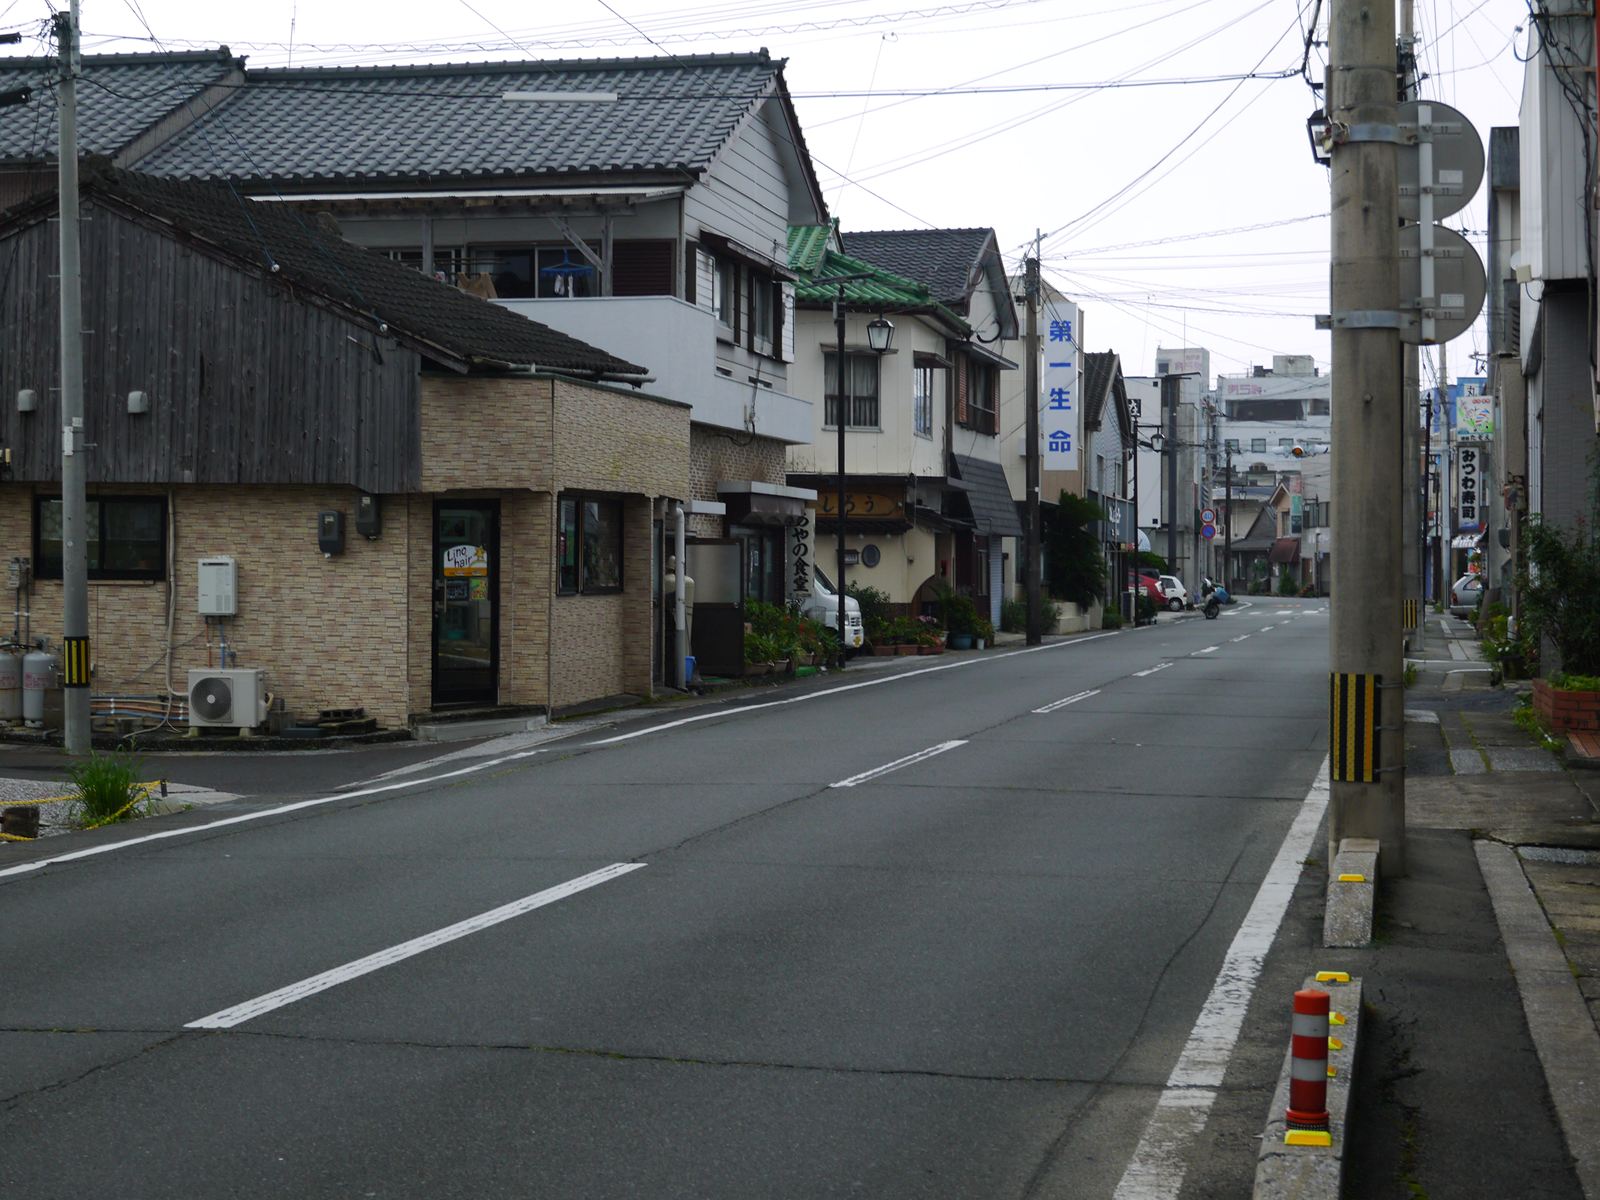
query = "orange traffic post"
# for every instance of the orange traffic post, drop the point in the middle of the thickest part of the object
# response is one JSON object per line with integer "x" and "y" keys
{"x": 1308, "y": 1066}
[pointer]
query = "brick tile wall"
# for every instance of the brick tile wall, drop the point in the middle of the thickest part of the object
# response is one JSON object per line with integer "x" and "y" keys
{"x": 714, "y": 457}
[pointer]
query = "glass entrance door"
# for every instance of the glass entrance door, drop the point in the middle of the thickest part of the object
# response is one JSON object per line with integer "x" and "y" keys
{"x": 466, "y": 620}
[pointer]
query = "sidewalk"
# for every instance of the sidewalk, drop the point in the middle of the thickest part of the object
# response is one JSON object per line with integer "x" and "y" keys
{"x": 1482, "y": 1066}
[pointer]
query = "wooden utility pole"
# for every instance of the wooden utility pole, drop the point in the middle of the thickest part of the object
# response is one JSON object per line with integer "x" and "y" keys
{"x": 74, "y": 499}
{"x": 1366, "y": 657}
{"x": 1031, "y": 541}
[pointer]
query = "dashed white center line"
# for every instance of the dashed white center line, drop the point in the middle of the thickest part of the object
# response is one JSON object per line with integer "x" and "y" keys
{"x": 1240, "y": 638}
{"x": 1152, "y": 670}
{"x": 1055, "y": 704}
{"x": 1207, "y": 650}
{"x": 1264, "y": 628}
{"x": 919, "y": 756}
{"x": 310, "y": 986}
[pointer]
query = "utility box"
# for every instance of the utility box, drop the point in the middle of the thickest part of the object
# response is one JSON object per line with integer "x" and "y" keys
{"x": 219, "y": 587}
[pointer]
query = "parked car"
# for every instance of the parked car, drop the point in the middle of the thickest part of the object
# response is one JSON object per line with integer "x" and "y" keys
{"x": 1176, "y": 596}
{"x": 1465, "y": 594}
{"x": 1149, "y": 585}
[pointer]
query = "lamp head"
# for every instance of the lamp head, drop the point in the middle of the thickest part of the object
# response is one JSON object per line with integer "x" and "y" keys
{"x": 880, "y": 335}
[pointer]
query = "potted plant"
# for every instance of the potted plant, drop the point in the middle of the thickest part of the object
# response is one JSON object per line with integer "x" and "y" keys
{"x": 1561, "y": 605}
{"x": 960, "y": 618}
{"x": 982, "y": 632}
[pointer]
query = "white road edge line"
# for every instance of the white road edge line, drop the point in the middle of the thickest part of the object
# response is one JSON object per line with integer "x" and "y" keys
{"x": 227, "y": 1018}
{"x": 261, "y": 814}
{"x": 1152, "y": 670}
{"x": 296, "y": 806}
{"x": 1157, "y": 1168}
{"x": 897, "y": 764}
{"x": 848, "y": 687}
{"x": 1055, "y": 704}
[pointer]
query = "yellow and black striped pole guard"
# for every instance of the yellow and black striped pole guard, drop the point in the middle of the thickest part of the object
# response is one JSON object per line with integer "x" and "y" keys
{"x": 1353, "y": 727}
{"x": 75, "y": 662}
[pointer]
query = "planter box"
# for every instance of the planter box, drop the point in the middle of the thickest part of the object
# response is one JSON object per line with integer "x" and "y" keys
{"x": 1563, "y": 711}
{"x": 906, "y": 648}
{"x": 882, "y": 651}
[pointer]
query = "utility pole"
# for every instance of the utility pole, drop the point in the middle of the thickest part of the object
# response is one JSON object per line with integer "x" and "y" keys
{"x": 1031, "y": 540}
{"x": 1447, "y": 471}
{"x": 1410, "y": 442}
{"x": 1169, "y": 402}
{"x": 74, "y": 498}
{"x": 1227, "y": 524}
{"x": 1365, "y": 652}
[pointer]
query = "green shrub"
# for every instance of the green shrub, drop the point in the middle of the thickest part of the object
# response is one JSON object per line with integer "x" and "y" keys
{"x": 1111, "y": 619}
{"x": 984, "y": 629}
{"x": 875, "y": 603}
{"x": 106, "y": 788}
{"x": 1561, "y": 590}
{"x": 1014, "y": 615}
{"x": 957, "y": 612}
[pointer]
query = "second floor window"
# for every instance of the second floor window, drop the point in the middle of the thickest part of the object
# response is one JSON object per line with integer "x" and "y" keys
{"x": 725, "y": 290}
{"x": 862, "y": 375}
{"x": 978, "y": 412}
{"x": 1258, "y": 445}
{"x": 1233, "y": 445}
{"x": 762, "y": 322}
{"x": 922, "y": 401}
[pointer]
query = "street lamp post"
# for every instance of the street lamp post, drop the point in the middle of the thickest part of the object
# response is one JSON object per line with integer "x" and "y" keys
{"x": 880, "y": 334}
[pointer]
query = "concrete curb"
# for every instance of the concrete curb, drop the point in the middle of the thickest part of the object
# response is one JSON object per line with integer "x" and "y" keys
{"x": 1563, "y": 1032}
{"x": 1352, "y": 888}
{"x": 1305, "y": 1172}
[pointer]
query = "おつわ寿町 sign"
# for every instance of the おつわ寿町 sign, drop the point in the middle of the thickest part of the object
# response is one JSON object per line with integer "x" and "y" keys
{"x": 1469, "y": 517}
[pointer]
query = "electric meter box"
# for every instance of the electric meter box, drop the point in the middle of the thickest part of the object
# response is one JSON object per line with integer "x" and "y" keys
{"x": 219, "y": 587}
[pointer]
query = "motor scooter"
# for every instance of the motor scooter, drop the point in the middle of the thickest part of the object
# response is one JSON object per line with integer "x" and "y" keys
{"x": 1211, "y": 603}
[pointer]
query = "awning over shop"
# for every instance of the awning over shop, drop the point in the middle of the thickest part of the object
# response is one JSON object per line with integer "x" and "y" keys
{"x": 1285, "y": 550}
{"x": 752, "y": 502}
{"x": 994, "y": 513}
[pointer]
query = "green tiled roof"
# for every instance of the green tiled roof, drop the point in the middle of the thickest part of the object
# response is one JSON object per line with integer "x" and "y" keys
{"x": 812, "y": 257}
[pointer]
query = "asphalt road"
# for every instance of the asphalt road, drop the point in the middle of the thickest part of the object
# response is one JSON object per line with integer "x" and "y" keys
{"x": 968, "y": 975}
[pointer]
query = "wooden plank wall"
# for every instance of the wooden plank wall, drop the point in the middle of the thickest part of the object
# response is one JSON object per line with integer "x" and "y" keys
{"x": 249, "y": 382}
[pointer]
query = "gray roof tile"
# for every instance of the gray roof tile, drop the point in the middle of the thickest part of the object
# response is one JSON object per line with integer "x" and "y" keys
{"x": 423, "y": 123}
{"x": 946, "y": 260}
{"x": 119, "y": 97}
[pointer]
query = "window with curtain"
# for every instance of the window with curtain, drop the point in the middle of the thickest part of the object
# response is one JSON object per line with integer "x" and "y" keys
{"x": 863, "y": 380}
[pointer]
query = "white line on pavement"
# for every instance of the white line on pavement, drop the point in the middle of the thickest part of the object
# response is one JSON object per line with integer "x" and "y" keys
{"x": 898, "y": 763}
{"x": 240, "y": 1013}
{"x": 1055, "y": 704}
{"x": 278, "y": 811}
{"x": 490, "y": 764}
{"x": 1240, "y": 638}
{"x": 1207, "y": 650}
{"x": 1284, "y": 612}
{"x": 834, "y": 691}
{"x": 1157, "y": 1168}
{"x": 1152, "y": 670}
{"x": 1264, "y": 628}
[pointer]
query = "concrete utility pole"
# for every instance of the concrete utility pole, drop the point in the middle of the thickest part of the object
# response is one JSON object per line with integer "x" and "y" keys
{"x": 1031, "y": 540}
{"x": 1414, "y": 547}
{"x": 1366, "y": 657}
{"x": 1169, "y": 402}
{"x": 74, "y": 498}
{"x": 1227, "y": 525}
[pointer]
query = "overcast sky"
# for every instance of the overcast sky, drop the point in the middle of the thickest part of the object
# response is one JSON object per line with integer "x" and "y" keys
{"x": 1041, "y": 129}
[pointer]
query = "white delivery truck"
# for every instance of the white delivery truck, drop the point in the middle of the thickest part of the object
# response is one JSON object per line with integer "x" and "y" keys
{"x": 823, "y": 605}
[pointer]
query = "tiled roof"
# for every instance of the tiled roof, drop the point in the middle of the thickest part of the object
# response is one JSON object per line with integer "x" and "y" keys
{"x": 809, "y": 255}
{"x": 452, "y": 121}
{"x": 1099, "y": 366}
{"x": 993, "y": 510}
{"x": 426, "y": 313}
{"x": 944, "y": 259}
{"x": 119, "y": 97}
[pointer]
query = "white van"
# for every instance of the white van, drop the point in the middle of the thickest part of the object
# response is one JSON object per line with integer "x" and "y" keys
{"x": 823, "y": 606}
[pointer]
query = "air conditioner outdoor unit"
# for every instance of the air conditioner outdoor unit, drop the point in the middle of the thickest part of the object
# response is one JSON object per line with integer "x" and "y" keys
{"x": 232, "y": 698}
